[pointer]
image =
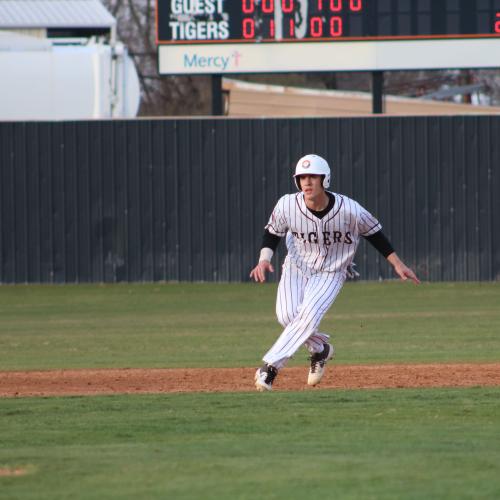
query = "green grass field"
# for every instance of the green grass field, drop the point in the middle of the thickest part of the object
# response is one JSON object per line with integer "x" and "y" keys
{"x": 374, "y": 444}
{"x": 179, "y": 325}
{"x": 321, "y": 444}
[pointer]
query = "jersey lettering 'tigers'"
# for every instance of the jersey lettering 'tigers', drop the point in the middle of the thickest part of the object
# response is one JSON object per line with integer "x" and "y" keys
{"x": 326, "y": 244}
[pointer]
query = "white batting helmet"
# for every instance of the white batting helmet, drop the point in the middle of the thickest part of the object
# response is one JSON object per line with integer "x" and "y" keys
{"x": 315, "y": 165}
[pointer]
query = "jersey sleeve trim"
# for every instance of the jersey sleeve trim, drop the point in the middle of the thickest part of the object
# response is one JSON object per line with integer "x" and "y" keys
{"x": 374, "y": 229}
{"x": 278, "y": 220}
{"x": 273, "y": 230}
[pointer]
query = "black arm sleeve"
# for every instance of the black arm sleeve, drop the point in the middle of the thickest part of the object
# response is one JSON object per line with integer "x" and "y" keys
{"x": 381, "y": 243}
{"x": 270, "y": 240}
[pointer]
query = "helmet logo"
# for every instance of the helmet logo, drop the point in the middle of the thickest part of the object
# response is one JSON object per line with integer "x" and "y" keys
{"x": 306, "y": 164}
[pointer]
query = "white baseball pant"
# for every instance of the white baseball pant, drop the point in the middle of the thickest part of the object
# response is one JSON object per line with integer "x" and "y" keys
{"x": 301, "y": 303}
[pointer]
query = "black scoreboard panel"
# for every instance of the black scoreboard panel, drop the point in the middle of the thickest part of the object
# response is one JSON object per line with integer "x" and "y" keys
{"x": 253, "y": 21}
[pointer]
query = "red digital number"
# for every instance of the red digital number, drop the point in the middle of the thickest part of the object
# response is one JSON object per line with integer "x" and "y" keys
{"x": 248, "y": 28}
{"x": 247, "y": 6}
{"x": 292, "y": 28}
{"x": 335, "y": 5}
{"x": 497, "y": 24}
{"x": 316, "y": 27}
{"x": 267, "y": 6}
{"x": 336, "y": 26}
{"x": 271, "y": 28}
{"x": 356, "y": 5}
{"x": 287, "y": 6}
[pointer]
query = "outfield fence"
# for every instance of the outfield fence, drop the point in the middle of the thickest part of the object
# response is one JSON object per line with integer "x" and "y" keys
{"x": 187, "y": 199}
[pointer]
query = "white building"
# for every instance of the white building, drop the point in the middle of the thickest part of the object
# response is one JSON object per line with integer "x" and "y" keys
{"x": 61, "y": 60}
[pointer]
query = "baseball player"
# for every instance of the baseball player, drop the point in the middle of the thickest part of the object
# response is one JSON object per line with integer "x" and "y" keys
{"x": 322, "y": 230}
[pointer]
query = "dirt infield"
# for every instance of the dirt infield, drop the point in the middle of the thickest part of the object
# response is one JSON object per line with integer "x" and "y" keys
{"x": 136, "y": 381}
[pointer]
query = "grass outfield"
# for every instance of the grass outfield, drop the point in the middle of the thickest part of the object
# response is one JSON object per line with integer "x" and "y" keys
{"x": 387, "y": 444}
{"x": 231, "y": 325}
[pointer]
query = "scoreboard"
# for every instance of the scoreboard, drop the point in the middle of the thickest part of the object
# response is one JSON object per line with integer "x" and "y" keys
{"x": 281, "y": 33}
{"x": 254, "y": 21}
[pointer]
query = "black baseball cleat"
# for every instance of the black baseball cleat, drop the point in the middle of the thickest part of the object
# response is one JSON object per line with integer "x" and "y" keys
{"x": 318, "y": 362}
{"x": 264, "y": 378}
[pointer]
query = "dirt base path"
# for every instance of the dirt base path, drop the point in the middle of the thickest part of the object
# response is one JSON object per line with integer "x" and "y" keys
{"x": 136, "y": 381}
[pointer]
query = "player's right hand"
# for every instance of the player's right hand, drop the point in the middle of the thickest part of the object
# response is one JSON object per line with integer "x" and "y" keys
{"x": 258, "y": 273}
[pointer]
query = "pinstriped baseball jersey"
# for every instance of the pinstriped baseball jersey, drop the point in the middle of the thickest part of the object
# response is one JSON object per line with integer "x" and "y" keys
{"x": 321, "y": 245}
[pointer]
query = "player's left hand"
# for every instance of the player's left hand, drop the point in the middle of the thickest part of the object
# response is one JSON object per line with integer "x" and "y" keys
{"x": 401, "y": 269}
{"x": 404, "y": 272}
